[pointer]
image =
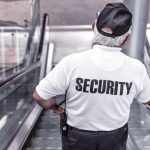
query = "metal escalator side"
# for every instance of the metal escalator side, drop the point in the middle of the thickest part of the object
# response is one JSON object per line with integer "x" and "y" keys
{"x": 16, "y": 102}
{"x": 46, "y": 134}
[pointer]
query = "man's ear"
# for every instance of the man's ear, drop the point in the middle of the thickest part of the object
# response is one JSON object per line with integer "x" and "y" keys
{"x": 93, "y": 25}
{"x": 126, "y": 39}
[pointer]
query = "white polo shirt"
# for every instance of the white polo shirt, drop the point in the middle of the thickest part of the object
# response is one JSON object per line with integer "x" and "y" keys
{"x": 101, "y": 84}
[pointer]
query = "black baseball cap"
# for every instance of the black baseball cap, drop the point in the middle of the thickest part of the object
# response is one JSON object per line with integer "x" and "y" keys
{"x": 115, "y": 16}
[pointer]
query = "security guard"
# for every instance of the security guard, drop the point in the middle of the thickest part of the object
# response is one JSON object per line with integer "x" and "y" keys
{"x": 100, "y": 85}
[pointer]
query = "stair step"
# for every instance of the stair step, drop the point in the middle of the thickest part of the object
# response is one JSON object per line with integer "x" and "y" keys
{"x": 47, "y": 133}
{"x": 50, "y": 119}
{"x": 44, "y": 143}
{"x": 48, "y": 125}
{"x": 51, "y": 114}
{"x": 59, "y": 148}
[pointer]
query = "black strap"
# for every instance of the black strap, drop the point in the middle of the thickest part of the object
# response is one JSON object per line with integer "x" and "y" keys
{"x": 65, "y": 101}
{"x": 63, "y": 120}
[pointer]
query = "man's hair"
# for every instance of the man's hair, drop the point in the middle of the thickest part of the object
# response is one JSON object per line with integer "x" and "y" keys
{"x": 109, "y": 41}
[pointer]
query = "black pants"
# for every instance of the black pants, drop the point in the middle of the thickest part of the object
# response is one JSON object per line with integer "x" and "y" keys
{"x": 77, "y": 139}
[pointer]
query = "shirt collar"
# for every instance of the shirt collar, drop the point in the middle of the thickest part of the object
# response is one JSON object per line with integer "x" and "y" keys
{"x": 106, "y": 48}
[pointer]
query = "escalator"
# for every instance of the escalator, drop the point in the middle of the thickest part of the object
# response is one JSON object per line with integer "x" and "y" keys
{"x": 46, "y": 135}
{"x": 16, "y": 103}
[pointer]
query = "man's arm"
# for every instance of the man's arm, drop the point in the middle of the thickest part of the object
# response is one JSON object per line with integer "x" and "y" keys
{"x": 46, "y": 104}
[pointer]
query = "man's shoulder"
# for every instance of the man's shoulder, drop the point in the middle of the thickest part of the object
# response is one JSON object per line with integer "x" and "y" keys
{"x": 76, "y": 56}
{"x": 135, "y": 62}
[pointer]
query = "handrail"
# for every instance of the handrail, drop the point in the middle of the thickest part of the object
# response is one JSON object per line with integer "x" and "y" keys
{"x": 35, "y": 23}
{"x": 11, "y": 77}
{"x": 148, "y": 47}
{"x": 45, "y": 19}
{"x": 14, "y": 28}
{"x": 13, "y": 67}
{"x": 44, "y": 29}
{"x": 7, "y": 84}
{"x": 72, "y": 28}
{"x": 18, "y": 75}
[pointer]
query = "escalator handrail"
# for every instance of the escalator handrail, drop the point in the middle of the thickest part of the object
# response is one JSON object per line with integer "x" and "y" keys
{"x": 10, "y": 80}
{"x": 148, "y": 46}
{"x": 13, "y": 67}
{"x": 45, "y": 20}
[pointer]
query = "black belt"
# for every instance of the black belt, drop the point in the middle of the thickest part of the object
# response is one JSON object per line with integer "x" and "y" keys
{"x": 122, "y": 129}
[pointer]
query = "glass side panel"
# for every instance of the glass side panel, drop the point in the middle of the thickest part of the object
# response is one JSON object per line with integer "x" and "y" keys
{"x": 15, "y": 103}
{"x": 12, "y": 46}
{"x": 17, "y": 38}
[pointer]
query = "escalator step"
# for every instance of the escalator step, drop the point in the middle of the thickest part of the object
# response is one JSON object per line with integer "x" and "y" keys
{"x": 49, "y": 122}
{"x": 49, "y": 113}
{"x": 48, "y": 125}
{"x": 47, "y": 133}
{"x": 43, "y": 149}
{"x": 45, "y": 143}
{"x": 50, "y": 119}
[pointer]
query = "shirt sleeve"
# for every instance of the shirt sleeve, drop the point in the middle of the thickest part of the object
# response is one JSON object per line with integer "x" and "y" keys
{"x": 144, "y": 95}
{"x": 54, "y": 83}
